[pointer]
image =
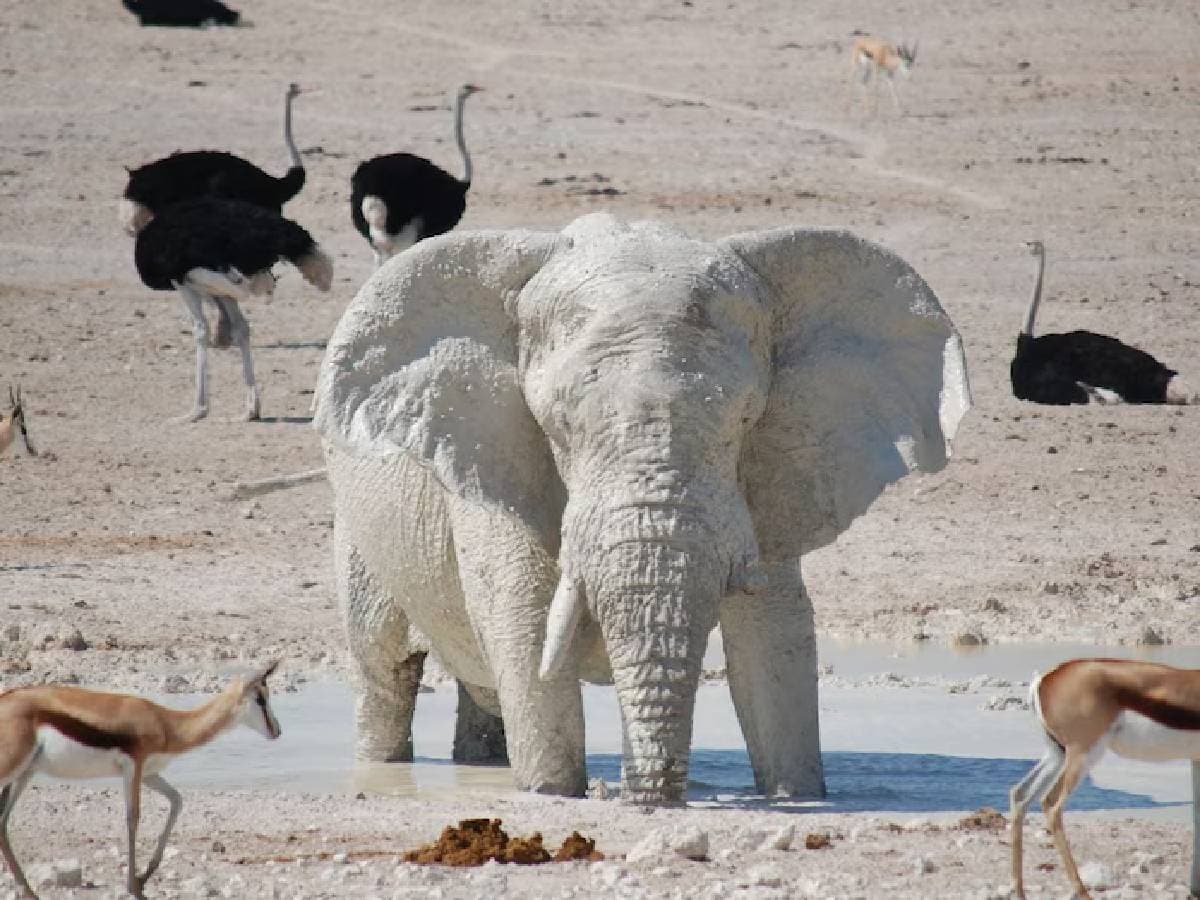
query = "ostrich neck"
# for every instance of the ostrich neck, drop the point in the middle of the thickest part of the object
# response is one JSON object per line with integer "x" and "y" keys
{"x": 458, "y": 137}
{"x": 293, "y": 153}
{"x": 1037, "y": 296}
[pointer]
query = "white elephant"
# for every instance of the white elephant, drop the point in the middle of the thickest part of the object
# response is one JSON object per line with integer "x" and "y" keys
{"x": 573, "y": 455}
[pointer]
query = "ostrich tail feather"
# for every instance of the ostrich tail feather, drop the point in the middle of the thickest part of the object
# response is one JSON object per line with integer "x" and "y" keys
{"x": 317, "y": 268}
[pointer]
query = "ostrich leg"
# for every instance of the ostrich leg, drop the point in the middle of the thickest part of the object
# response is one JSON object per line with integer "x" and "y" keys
{"x": 240, "y": 332}
{"x": 194, "y": 301}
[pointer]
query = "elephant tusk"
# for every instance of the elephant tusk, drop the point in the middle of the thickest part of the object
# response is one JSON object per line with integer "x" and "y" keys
{"x": 565, "y": 609}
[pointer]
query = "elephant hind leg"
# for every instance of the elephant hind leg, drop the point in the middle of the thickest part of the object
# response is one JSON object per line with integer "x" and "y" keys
{"x": 383, "y": 712}
{"x": 387, "y": 667}
{"x": 478, "y": 735}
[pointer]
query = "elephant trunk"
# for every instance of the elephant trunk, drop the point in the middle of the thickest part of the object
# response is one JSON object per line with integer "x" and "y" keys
{"x": 656, "y": 598}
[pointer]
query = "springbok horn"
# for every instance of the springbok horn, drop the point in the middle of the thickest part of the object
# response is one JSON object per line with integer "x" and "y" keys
{"x": 267, "y": 672}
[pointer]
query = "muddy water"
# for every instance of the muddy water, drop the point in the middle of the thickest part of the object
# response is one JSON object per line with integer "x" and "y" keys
{"x": 904, "y": 742}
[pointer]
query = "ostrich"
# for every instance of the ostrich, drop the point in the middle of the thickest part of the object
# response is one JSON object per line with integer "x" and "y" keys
{"x": 1082, "y": 366}
{"x": 223, "y": 250}
{"x": 181, "y": 12}
{"x": 399, "y": 199}
{"x": 210, "y": 173}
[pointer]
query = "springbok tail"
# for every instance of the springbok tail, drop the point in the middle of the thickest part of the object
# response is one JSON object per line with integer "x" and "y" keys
{"x": 1035, "y": 701}
{"x": 316, "y": 267}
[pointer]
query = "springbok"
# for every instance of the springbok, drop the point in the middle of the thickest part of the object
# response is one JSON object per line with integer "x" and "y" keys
{"x": 873, "y": 56}
{"x": 1138, "y": 710}
{"x": 12, "y": 425}
{"x": 69, "y": 732}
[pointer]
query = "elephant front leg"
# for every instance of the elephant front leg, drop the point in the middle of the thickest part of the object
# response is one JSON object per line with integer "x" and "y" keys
{"x": 771, "y": 659}
{"x": 507, "y": 584}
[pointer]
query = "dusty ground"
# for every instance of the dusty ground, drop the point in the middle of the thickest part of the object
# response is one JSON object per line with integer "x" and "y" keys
{"x": 1074, "y": 123}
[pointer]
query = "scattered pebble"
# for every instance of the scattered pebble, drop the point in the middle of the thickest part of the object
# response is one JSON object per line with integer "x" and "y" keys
{"x": 74, "y": 641}
{"x": 1151, "y": 637}
{"x": 1097, "y": 875}
{"x": 672, "y": 840}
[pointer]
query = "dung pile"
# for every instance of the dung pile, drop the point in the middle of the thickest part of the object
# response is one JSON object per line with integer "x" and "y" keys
{"x": 475, "y": 841}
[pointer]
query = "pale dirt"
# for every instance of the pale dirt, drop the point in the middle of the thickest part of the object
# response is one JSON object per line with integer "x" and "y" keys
{"x": 1075, "y": 123}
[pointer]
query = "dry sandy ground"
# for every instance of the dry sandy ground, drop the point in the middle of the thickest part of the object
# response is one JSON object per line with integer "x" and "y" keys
{"x": 1074, "y": 122}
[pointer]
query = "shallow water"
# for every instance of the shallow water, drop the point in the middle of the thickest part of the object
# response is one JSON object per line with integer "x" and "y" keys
{"x": 886, "y": 749}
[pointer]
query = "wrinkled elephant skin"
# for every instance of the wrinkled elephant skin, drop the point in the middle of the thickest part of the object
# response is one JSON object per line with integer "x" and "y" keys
{"x": 573, "y": 455}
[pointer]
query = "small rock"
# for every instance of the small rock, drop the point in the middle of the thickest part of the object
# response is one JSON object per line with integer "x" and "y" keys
{"x": 341, "y": 858}
{"x": 969, "y": 639}
{"x": 765, "y": 875}
{"x": 217, "y": 847}
{"x": 781, "y": 839}
{"x": 1144, "y": 861}
{"x": 686, "y": 841}
{"x": 923, "y": 865}
{"x": 1001, "y": 703}
{"x": 197, "y": 887}
{"x": 817, "y": 840}
{"x": 74, "y": 641}
{"x": 1150, "y": 637}
{"x": 598, "y": 789}
{"x": 62, "y": 873}
{"x": 12, "y": 632}
{"x": 1097, "y": 876}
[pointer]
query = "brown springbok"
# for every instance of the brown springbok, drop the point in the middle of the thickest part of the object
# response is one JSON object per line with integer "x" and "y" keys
{"x": 873, "y": 56}
{"x": 1138, "y": 710}
{"x": 12, "y": 424}
{"x": 69, "y": 732}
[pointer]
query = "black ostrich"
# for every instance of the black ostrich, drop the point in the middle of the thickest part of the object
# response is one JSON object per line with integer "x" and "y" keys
{"x": 181, "y": 12}
{"x": 210, "y": 173}
{"x": 399, "y": 199}
{"x": 1082, "y": 366}
{"x": 223, "y": 251}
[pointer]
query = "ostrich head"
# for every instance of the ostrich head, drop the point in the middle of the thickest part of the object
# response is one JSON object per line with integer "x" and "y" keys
{"x": 293, "y": 91}
{"x": 467, "y": 90}
{"x": 1036, "y": 248}
{"x": 134, "y": 216}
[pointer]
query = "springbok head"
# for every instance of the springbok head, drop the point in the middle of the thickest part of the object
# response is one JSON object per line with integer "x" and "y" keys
{"x": 907, "y": 54}
{"x": 12, "y": 425}
{"x": 256, "y": 711}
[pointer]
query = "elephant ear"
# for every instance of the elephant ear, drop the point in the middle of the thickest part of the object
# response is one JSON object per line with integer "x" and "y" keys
{"x": 424, "y": 362}
{"x": 868, "y": 384}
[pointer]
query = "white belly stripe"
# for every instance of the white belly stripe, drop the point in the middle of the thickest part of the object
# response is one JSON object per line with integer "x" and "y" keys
{"x": 63, "y": 757}
{"x": 1135, "y": 736}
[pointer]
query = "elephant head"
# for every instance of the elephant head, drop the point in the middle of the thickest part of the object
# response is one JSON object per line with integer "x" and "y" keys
{"x": 674, "y": 422}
